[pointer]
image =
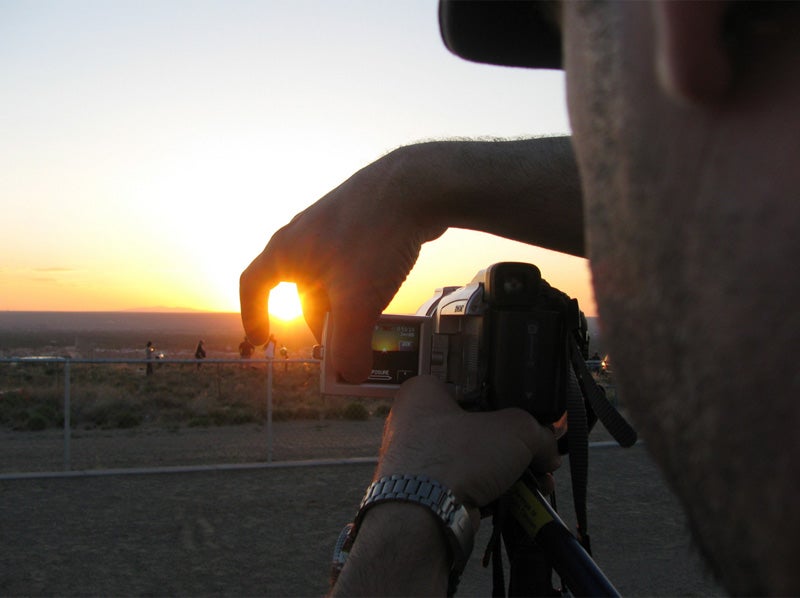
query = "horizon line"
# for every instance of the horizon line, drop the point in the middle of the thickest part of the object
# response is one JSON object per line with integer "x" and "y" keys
{"x": 143, "y": 310}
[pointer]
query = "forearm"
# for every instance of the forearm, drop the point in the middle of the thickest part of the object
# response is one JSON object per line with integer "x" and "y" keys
{"x": 527, "y": 190}
{"x": 401, "y": 548}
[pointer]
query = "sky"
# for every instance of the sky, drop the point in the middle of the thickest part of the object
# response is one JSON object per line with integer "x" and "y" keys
{"x": 150, "y": 148}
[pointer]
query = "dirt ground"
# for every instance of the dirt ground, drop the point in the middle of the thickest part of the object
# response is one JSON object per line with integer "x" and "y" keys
{"x": 269, "y": 530}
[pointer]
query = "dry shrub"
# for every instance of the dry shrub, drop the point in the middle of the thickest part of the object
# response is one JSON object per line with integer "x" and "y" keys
{"x": 355, "y": 412}
{"x": 122, "y": 396}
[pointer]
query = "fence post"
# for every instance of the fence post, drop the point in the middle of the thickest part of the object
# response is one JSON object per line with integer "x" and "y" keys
{"x": 67, "y": 412}
{"x": 269, "y": 411}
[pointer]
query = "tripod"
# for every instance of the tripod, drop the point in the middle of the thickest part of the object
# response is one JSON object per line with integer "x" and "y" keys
{"x": 536, "y": 539}
{"x": 537, "y": 542}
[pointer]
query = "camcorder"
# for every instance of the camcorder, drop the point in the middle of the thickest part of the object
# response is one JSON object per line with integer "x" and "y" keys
{"x": 499, "y": 341}
{"x": 507, "y": 339}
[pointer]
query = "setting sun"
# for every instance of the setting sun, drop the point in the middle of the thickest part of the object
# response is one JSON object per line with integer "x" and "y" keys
{"x": 284, "y": 302}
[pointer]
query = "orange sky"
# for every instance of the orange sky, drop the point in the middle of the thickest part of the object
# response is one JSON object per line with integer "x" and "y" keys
{"x": 148, "y": 152}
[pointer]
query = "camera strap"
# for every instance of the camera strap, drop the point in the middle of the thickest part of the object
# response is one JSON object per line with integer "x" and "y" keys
{"x": 581, "y": 385}
{"x": 578, "y": 441}
{"x": 612, "y": 420}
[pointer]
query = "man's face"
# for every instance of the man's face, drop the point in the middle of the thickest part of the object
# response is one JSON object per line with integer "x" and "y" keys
{"x": 690, "y": 213}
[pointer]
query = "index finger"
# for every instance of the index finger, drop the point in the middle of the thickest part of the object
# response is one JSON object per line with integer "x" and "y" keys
{"x": 255, "y": 284}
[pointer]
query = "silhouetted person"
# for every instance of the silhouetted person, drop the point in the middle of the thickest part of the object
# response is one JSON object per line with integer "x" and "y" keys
{"x": 680, "y": 185}
{"x": 199, "y": 353}
{"x": 246, "y": 349}
{"x": 149, "y": 352}
{"x": 285, "y": 355}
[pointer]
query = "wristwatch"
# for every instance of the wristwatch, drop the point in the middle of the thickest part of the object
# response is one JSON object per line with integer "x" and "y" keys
{"x": 455, "y": 520}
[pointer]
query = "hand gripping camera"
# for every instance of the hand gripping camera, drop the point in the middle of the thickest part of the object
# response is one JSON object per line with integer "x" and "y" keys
{"x": 499, "y": 341}
{"x": 507, "y": 339}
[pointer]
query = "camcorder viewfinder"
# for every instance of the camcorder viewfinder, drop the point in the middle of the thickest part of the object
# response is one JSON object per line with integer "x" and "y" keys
{"x": 499, "y": 341}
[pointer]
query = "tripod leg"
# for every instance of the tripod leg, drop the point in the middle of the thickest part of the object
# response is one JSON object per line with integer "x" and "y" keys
{"x": 530, "y": 571}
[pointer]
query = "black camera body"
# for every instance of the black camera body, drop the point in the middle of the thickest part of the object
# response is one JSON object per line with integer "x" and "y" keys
{"x": 499, "y": 341}
{"x": 508, "y": 339}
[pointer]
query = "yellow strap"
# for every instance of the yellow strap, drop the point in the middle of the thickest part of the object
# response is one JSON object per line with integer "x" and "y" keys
{"x": 527, "y": 510}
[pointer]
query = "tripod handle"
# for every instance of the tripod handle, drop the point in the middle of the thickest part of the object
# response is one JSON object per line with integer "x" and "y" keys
{"x": 578, "y": 571}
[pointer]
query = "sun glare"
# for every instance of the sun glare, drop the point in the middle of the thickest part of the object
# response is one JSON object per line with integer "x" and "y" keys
{"x": 284, "y": 302}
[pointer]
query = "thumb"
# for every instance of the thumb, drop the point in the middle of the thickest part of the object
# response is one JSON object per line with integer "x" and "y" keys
{"x": 351, "y": 342}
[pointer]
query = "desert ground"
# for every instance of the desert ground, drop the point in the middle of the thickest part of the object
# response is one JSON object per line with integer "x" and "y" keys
{"x": 267, "y": 529}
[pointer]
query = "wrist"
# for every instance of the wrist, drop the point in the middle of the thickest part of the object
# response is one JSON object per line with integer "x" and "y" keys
{"x": 414, "y": 176}
{"x": 395, "y": 539}
{"x": 475, "y": 184}
{"x": 428, "y": 521}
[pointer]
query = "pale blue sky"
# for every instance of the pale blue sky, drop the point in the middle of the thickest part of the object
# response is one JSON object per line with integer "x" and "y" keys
{"x": 149, "y": 149}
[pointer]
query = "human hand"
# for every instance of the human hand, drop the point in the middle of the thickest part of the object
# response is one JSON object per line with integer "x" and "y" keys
{"x": 477, "y": 455}
{"x": 348, "y": 254}
{"x": 400, "y": 550}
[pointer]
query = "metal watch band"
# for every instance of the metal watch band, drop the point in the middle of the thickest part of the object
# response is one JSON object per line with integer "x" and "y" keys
{"x": 341, "y": 551}
{"x": 439, "y": 499}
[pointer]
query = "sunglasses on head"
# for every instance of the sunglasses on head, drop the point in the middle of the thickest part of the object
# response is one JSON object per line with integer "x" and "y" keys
{"x": 505, "y": 32}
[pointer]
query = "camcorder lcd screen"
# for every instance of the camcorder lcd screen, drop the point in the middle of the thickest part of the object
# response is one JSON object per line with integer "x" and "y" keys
{"x": 395, "y": 352}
